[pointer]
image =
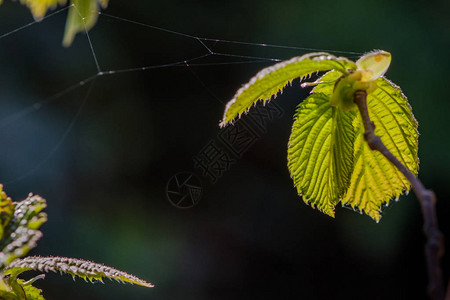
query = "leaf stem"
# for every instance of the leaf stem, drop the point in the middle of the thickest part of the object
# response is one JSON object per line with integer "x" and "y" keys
{"x": 434, "y": 247}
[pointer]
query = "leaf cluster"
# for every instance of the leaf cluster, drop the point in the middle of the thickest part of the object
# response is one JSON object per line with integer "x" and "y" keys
{"x": 328, "y": 158}
{"x": 19, "y": 231}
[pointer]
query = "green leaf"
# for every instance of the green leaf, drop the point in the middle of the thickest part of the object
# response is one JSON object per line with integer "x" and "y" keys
{"x": 82, "y": 17}
{"x": 320, "y": 152}
{"x": 375, "y": 180}
{"x": 270, "y": 81}
{"x": 21, "y": 234}
{"x": 17, "y": 289}
{"x": 325, "y": 84}
{"x": 328, "y": 158}
{"x": 39, "y": 7}
{"x": 85, "y": 269}
{"x": 8, "y": 295}
{"x": 6, "y": 210}
{"x": 33, "y": 293}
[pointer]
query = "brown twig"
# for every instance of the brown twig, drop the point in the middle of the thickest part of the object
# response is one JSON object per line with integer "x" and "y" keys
{"x": 447, "y": 294}
{"x": 434, "y": 247}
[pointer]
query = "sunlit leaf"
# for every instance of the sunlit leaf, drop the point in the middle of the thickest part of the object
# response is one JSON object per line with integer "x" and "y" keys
{"x": 20, "y": 222}
{"x": 375, "y": 180}
{"x": 39, "y": 7}
{"x": 17, "y": 289}
{"x": 21, "y": 233}
{"x": 7, "y": 295}
{"x": 270, "y": 81}
{"x": 33, "y": 293}
{"x": 82, "y": 17}
{"x": 320, "y": 152}
{"x": 328, "y": 158}
{"x": 6, "y": 210}
{"x": 325, "y": 84}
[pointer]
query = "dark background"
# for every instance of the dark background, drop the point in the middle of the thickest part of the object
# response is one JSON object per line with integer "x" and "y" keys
{"x": 104, "y": 173}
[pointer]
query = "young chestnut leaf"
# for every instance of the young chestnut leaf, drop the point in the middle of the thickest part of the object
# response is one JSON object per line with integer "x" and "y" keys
{"x": 328, "y": 158}
{"x": 268, "y": 82}
{"x": 320, "y": 152}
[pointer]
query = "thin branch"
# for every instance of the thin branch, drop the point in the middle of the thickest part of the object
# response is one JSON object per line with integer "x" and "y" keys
{"x": 434, "y": 247}
{"x": 447, "y": 294}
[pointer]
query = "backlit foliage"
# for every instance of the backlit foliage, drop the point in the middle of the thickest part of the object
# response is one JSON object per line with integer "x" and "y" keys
{"x": 328, "y": 158}
{"x": 19, "y": 228}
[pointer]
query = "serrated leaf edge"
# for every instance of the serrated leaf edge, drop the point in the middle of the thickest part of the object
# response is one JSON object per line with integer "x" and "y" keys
{"x": 82, "y": 268}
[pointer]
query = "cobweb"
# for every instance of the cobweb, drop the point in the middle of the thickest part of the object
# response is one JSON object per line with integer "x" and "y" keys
{"x": 194, "y": 53}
